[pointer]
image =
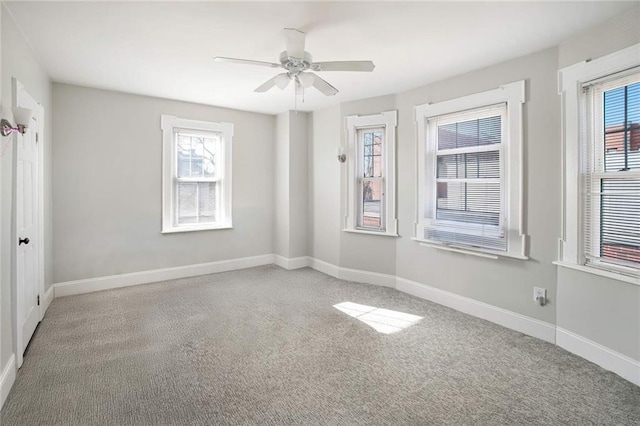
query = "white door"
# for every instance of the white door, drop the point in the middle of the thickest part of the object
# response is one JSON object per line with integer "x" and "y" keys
{"x": 27, "y": 218}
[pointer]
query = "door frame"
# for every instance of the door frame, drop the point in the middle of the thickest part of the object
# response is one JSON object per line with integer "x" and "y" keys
{"x": 22, "y": 98}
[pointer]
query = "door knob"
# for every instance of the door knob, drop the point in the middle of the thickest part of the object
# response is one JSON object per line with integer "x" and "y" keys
{"x": 23, "y": 241}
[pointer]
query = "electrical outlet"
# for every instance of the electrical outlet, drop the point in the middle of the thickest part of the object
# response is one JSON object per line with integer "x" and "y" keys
{"x": 540, "y": 295}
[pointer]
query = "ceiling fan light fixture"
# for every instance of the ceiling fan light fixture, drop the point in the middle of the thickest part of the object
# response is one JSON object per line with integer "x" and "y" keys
{"x": 306, "y": 79}
{"x": 282, "y": 81}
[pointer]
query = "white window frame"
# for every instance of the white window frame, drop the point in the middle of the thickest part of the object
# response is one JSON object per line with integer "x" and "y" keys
{"x": 512, "y": 96}
{"x": 353, "y": 215}
{"x": 170, "y": 125}
{"x": 570, "y": 82}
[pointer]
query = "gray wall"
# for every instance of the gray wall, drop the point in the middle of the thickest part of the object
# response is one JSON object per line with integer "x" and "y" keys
{"x": 603, "y": 310}
{"x": 364, "y": 251}
{"x": 291, "y": 184}
{"x": 281, "y": 186}
{"x": 325, "y": 196}
{"x": 107, "y": 185}
{"x": 506, "y": 283}
{"x": 298, "y": 183}
{"x": 19, "y": 61}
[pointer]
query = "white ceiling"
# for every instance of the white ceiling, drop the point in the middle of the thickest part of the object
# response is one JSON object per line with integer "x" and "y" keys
{"x": 166, "y": 49}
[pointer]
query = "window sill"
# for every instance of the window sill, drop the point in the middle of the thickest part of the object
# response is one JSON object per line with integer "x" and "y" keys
{"x": 363, "y": 231}
{"x": 488, "y": 254}
{"x": 194, "y": 228}
{"x": 597, "y": 271}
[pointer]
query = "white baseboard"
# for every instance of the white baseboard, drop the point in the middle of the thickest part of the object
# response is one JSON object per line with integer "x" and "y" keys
{"x": 527, "y": 325}
{"x": 606, "y": 358}
{"x": 325, "y": 267}
{"x": 367, "y": 277}
{"x": 293, "y": 263}
{"x": 124, "y": 280}
{"x": 7, "y": 378}
{"x": 47, "y": 299}
{"x": 355, "y": 275}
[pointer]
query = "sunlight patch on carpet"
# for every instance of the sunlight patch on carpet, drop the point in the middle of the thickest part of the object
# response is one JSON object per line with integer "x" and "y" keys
{"x": 382, "y": 320}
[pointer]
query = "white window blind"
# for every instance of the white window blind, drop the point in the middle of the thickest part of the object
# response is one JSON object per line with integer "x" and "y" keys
{"x": 466, "y": 184}
{"x": 611, "y": 173}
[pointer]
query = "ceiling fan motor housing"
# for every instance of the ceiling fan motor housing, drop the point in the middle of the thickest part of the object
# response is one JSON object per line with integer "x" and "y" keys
{"x": 296, "y": 65}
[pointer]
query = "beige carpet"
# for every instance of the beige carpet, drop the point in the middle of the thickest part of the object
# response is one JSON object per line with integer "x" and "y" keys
{"x": 266, "y": 346}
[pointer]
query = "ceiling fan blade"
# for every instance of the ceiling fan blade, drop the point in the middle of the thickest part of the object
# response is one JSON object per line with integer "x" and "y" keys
{"x": 366, "y": 66}
{"x": 280, "y": 80}
{"x": 323, "y": 86}
{"x": 246, "y": 62}
{"x": 294, "y": 40}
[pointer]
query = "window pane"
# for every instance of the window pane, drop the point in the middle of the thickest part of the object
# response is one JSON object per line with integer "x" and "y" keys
{"x": 196, "y": 202}
{"x": 196, "y": 156}
{"x": 197, "y": 153}
{"x": 633, "y": 104}
{"x": 471, "y": 202}
{"x": 620, "y": 219}
{"x": 209, "y": 155}
{"x": 614, "y": 151}
{"x": 622, "y": 128}
{"x": 372, "y": 153}
{"x": 207, "y": 201}
{"x": 614, "y": 108}
{"x": 187, "y": 202}
{"x": 469, "y": 166}
{"x": 483, "y": 131}
{"x": 184, "y": 156}
{"x": 371, "y": 203}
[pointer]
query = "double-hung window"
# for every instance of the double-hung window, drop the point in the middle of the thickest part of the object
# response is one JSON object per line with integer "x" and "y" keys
{"x": 371, "y": 189}
{"x": 196, "y": 175}
{"x": 601, "y": 132}
{"x": 469, "y": 168}
{"x": 611, "y": 173}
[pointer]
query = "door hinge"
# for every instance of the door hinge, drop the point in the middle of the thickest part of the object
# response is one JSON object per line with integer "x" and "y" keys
{"x": 38, "y": 300}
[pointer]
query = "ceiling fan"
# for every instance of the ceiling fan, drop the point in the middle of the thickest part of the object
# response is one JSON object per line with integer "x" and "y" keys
{"x": 298, "y": 65}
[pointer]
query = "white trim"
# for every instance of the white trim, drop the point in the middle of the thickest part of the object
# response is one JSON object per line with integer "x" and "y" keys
{"x": 362, "y": 231}
{"x": 46, "y": 300}
{"x": 7, "y": 378}
{"x": 624, "y": 366}
{"x": 355, "y": 275}
{"x": 602, "y": 272}
{"x": 89, "y": 285}
{"x": 389, "y": 121}
{"x": 325, "y": 267}
{"x": 367, "y": 277}
{"x": 168, "y": 124}
{"x": 570, "y": 81}
{"x": 293, "y": 263}
{"x": 527, "y": 325}
{"x": 22, "y": 98}
{"x": 512, "y": 170}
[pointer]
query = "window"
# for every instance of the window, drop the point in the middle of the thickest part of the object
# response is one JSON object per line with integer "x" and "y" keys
{"x": 196, "y": 175}
{"x": 612, "y": 173}
{"x": 469, "y": 167}
{"x": 601, "y": 100}
{"x": 371, "y": 192}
